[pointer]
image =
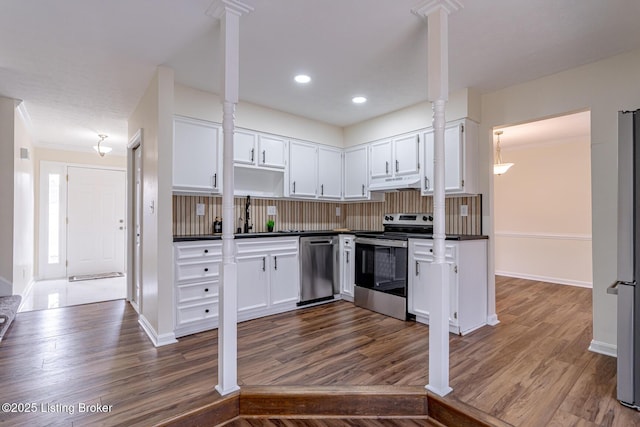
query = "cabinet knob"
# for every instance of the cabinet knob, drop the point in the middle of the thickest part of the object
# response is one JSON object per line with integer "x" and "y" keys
{"x": 206, "y": 251}
{"x": 206, "y": 289}
{"x": 206, "y": 269}
{"x": 207, "y": 310}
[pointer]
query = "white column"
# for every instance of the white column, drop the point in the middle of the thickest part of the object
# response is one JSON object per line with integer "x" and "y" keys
{"x": 229, "y": 12}
{"x": 436, "y": 13}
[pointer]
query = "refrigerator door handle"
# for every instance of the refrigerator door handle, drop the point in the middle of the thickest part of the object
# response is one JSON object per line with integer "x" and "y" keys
{"x": 613, "y": 288}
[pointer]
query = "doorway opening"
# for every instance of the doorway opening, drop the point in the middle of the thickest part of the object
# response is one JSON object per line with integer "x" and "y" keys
{"x": 542, "y": 205}
{"x": 81, "y": 236}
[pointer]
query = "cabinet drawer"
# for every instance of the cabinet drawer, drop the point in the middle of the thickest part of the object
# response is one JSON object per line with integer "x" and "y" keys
{"x": 196, "y": 291}
{"x": 427, "y": 251}
{"x": 197, "y": 270}
{"x": 198, "y": 250}
{"x": 197, "y": 312}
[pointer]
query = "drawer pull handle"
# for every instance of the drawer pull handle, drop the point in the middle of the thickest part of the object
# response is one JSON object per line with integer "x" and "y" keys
{"x": 207, "y": 310}
{"x": 206, "y": 289}
{"x": 206, "y": 251}
{"x": 206, "y": 269}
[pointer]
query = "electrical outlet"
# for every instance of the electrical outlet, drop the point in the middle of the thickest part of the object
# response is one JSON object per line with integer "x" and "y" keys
{"x": 200, "y": 209}
{"x": 464, "y": 210}
{"x": 337, "y": 210}
{"x": 271, "y": 210}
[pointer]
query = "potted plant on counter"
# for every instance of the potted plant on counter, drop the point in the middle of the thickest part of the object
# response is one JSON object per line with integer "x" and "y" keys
{"x": 270, "y": 224}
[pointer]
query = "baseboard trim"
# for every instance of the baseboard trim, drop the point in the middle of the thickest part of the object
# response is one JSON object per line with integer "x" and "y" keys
{"x": 156, "y": 340}
{"x": 492, "y": 320}
{"x": 603, "y": 348}
{"x": 556, "y": 280}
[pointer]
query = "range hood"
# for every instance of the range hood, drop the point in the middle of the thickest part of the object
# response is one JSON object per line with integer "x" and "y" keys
{"x": 399, "y": 183}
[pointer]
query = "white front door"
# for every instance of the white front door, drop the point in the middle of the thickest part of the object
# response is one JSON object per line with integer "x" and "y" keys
{"x": 96, "y": 220}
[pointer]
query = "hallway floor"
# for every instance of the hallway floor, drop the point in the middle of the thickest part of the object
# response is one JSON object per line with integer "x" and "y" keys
{"x": 58, "y": 293}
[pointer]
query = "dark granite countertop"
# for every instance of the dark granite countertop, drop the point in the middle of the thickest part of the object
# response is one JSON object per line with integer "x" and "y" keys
{"x": 196, "y": 237}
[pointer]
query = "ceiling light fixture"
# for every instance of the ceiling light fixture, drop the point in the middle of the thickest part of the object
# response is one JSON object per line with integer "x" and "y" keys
{"x": 102, "y": 150}
{"x": 498, "y": 167}
{"x": 359, "y": 99}
{"x": 302, "y": 78}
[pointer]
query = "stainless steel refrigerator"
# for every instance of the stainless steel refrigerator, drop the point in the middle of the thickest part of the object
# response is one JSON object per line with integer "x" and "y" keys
{"x": 626, "y": 286}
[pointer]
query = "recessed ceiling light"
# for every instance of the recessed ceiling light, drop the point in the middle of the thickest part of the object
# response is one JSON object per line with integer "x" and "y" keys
{"x": 359, "y": 99}
{"x": 302, "y": 78}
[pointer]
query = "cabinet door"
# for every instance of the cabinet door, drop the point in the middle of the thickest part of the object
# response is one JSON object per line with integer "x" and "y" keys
{"x": 453, "y": 160}
{"x": 355, "y": 173}
{"x": 303, "y": 163}
{"x": 347, "y": 267}
{"x": 244, "y": 147}
{"x": 428, "y": 169}
{"x": 381, "y": 159}
{"x": 418, "y": 303}
{"x": 329, "y": 173}
{"x": 253, "y": 292}
{"x": 285, "y": 278}
{"x": 271, "y": 151}
{"x": 406, "y": 155}
{"x": 195, "y": 156}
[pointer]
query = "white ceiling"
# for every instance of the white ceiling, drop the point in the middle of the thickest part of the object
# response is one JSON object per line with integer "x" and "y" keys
{"x": 82, "y": 65}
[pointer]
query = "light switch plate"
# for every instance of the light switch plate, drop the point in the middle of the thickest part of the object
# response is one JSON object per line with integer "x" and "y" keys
{"x": 200, "y": 209}
{"x": 337, "y": 210}
{"x": 464, "y": 210}
{"x": 271, "y": 210}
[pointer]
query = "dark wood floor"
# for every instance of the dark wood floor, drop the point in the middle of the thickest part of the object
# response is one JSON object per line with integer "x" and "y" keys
{"x": 533, "y": 369}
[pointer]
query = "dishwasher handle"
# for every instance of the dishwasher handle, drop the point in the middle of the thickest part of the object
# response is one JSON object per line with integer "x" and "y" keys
{"x": 320, "y": 242}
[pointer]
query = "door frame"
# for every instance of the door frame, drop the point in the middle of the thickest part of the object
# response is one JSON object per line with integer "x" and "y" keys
{"x": 134, "y": 143}
{"x": 44, "y": 168}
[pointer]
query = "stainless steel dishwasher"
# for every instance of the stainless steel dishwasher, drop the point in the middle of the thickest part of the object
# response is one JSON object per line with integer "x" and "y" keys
{"x": 318, "y": 278}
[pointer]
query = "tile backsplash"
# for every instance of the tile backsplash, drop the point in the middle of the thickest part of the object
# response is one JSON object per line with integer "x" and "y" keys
{"x": 307, "y": 215}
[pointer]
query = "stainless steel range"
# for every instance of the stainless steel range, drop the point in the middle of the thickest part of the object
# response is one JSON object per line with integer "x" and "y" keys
{"x": 381, "y": 263}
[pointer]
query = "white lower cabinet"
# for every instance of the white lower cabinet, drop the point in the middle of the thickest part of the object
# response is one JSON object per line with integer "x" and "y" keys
{"x": 268, "y": 280}
{"x": 268, "y": 276}
{"x": 347, "y": 275}
{"x": 197, "y": 277}
{"x": 467, "y": 261}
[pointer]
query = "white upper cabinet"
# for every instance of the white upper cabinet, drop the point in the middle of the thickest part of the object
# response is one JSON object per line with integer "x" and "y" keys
{"x": 197, "y": 156}
{"x": 381, "y": 159}
{"x": 271, "y": 151}
{"x": 395, "y": 162}
{"x": 244, "y": 147}
{"x": 461, "y": 152}
{"x": 303, "y": 170}
{"x": 355, "y": 173}
{"x": 329, "y": 173}
{"x": 406, "y": 153}
{"x": 258, "y": 149}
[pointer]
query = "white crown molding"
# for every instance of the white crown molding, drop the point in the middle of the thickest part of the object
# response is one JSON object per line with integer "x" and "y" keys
{"x": 427, "y": 7}
{"x": 217, "y": 8}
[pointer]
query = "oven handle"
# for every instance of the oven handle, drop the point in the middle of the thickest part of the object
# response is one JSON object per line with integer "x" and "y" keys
{"x": 382, "y": 242}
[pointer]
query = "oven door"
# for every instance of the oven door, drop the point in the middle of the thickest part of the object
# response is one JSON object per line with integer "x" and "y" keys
{"x": 381, "y": 265}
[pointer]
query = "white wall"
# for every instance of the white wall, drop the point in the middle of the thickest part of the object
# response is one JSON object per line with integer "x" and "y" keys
{"x": 462, "y": 104}
{"x": 23, "y": 207}
{"x": 543, "y": 212}
{"x": 154, "y": 115}
{"x": 603, "y": 88}
{"x": 7, "y": 120}
{"x": 198, "y": 104}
